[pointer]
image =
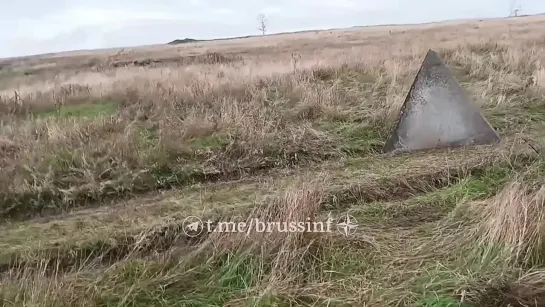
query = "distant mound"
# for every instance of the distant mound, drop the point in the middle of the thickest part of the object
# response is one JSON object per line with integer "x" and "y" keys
{"x": 190, "y": 40}
{"x": 183, "y": 41}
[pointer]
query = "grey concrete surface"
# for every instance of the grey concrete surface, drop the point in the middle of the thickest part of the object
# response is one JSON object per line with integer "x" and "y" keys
{"x": 438, "y": 113}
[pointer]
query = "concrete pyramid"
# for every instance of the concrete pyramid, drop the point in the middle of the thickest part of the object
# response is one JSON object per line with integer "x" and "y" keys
{"x": 438, "y": 113}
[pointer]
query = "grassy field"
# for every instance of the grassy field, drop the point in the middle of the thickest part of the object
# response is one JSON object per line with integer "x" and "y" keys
{"x": 104, "y": 153}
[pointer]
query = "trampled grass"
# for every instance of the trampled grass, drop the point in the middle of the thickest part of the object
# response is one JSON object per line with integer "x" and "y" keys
{"x": 99, "y": 168}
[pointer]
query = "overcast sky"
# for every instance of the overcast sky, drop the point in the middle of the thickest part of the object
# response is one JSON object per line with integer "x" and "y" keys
{"x": 42, "y": 26}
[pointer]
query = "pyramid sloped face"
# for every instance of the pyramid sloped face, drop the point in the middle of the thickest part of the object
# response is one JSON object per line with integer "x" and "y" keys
{"x": 438, "y": 113}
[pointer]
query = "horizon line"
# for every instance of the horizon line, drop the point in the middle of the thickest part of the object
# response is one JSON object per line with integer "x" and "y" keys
{"x": 271, "y": 34}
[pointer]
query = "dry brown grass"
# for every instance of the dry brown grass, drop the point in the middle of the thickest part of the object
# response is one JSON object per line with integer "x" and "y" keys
{"x": 515, "y": 219}
{"x": 283, "y": 127}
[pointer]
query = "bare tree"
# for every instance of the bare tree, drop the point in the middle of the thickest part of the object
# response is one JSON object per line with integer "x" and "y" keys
{"x": 514, "y": 9}
{"x": 262, "y": 23}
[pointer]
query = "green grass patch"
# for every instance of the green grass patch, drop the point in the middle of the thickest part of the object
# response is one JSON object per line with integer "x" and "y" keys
{"x": 83, "y": 110}
{"x": 215, "y": 141}
{"x": 441, "y": 302}
{"x": 147, "y": 137}
{"x": 482, "y": 184}
{"x": 343, "y": 262}
{"x": 196, "y": 282}
{"x": 12, "y": 73}
{"x": 353, "y": 138}
{"x": 511, "y": 119}
{"x": 467, "y": 267}
{"x": 435, "y": 204}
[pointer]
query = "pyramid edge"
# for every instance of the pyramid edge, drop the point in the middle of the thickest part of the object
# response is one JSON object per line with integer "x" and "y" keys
{"x": 393, "y": 138}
